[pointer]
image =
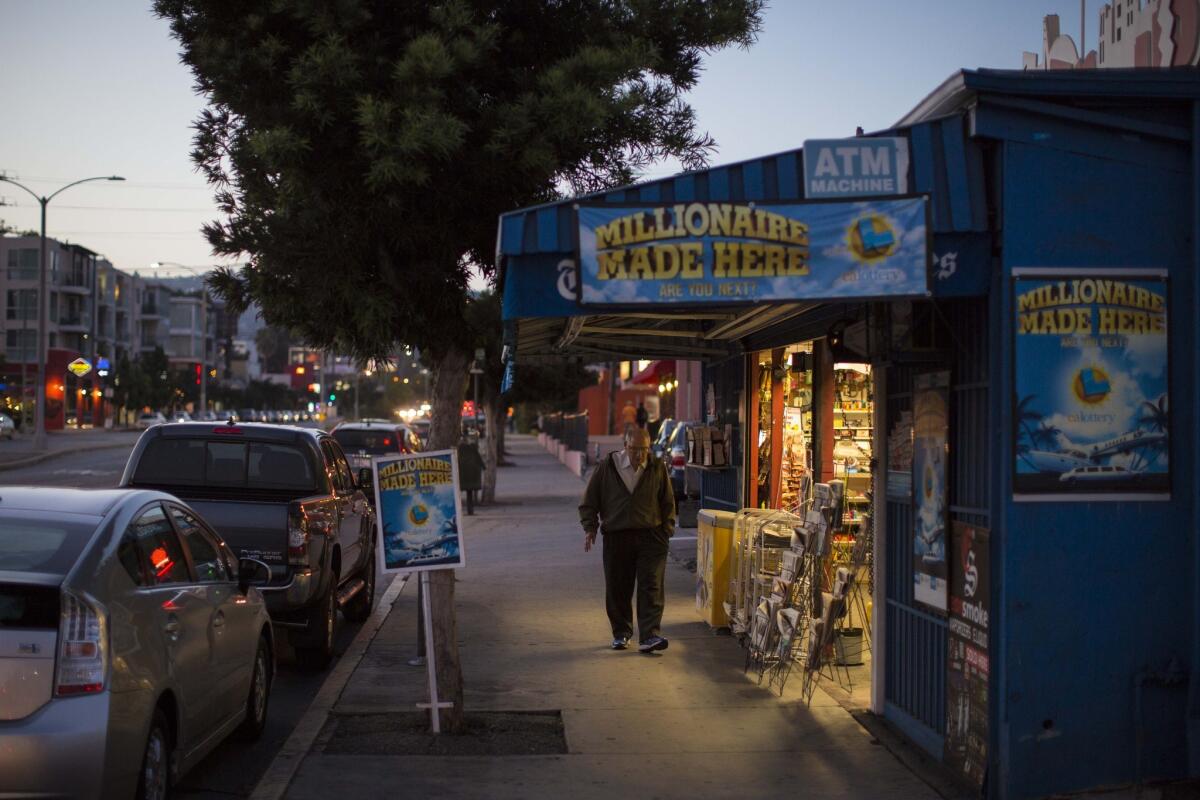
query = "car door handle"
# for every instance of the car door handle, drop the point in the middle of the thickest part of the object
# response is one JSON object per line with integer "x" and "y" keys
{"x": 172, "y": 628}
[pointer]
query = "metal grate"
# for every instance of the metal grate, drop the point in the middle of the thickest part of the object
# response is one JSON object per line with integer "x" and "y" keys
{"x": 915, "y": 671}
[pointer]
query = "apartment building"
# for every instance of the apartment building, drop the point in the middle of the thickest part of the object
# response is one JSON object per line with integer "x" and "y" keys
{"x": 97, "y": 312}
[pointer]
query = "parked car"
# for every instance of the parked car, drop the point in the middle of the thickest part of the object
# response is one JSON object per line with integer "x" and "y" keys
{"x": 675, "y": 456}
{"x": 132, "y": 642}
{"x": 363, "y": 440}
{"x": 181, "y": 416}
{"x": 149, "y": 419}
{"x": 283, "y": 495}
{"x": 421, "y": 427}
{"x": 7, "y": 426}
{"x": 659, "y": 445}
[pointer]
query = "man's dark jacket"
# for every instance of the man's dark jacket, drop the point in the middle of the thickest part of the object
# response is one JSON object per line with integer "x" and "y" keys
{"x": 651, "y": 506}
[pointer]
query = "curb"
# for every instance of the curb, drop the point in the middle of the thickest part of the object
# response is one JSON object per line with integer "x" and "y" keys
{"x": 275, "y": 781}
{"x": 40, "y": 457}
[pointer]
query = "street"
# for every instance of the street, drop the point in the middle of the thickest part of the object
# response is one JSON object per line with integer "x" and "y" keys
{"x": 235, "y": 766}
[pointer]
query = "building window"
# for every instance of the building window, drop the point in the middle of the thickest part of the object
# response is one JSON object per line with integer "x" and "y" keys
{"x": 1118, "y": 34}
{"x": 22, "y": 304}
{"x": 23, "y": 264}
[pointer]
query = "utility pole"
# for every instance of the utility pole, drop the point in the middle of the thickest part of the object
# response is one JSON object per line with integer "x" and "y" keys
{"x": 39, "y": 410}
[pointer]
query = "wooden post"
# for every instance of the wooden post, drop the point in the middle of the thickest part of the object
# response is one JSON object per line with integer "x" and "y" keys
{"x": 434, "y": 705}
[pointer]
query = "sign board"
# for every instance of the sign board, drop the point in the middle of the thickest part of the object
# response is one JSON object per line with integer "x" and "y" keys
{"x": 931, "y": 414}
{"x": 418, "y": 508}
{"x": 102, "y": 363}
{"x": 1091, "y": 416}
{"x": 80, "y": 367}
{"x": 699, "y": 253}
{"x": 968, "y": 663}
{"x": 858, "y": 167}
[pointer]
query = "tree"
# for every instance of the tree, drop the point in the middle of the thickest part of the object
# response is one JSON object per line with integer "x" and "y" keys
{"x": 362, "y": 150}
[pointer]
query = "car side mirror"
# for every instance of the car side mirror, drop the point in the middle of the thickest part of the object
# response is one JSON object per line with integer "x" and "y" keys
{"x": 252, "y": 572}
{"x": 366, "y": 478}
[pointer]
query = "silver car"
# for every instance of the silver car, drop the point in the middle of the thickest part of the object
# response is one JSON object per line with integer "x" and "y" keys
{"x": 132, "y": 641}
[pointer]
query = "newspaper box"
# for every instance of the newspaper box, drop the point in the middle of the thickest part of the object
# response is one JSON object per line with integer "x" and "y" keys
{"x": 714, "y": 538}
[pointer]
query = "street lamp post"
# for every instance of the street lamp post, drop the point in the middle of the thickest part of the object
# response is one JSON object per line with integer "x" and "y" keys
{"x": 39, "y": 409}
{"x": 203, "y": 327}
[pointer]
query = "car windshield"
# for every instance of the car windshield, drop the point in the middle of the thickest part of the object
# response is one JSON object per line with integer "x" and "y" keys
{"x": 29, "y": 544}
{"x": 201, "y": 462}
{"x": 373, "y": 442}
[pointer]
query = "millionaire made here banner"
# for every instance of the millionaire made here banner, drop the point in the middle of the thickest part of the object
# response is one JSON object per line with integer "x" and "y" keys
{"x": 418, "y": 508}
{"x": 1091, "y": 415}
{"x": 718, "y": 252}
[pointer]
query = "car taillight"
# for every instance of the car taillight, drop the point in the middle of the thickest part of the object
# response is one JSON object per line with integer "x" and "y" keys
{"x": 678, "y": 461}
{"x": 297, "y": 553}
{"x": 82, "y": 648}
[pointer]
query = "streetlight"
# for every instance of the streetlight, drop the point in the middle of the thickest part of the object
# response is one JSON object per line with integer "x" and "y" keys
{"x": 39, "y": 409}
{"x": 203, "y": 326}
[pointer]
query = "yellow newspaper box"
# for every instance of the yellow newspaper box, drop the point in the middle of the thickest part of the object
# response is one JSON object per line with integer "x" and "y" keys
{"x": 714, "y": 539}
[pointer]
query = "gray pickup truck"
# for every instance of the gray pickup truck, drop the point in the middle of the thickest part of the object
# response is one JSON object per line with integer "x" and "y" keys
{"x": 285, "y": 496}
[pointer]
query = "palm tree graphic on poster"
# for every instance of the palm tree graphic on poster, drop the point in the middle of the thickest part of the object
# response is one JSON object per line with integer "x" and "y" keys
{"x": 1037, "y": 440}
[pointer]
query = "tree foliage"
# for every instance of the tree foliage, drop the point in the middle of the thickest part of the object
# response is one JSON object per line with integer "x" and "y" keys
{"x": 362, "y": 149}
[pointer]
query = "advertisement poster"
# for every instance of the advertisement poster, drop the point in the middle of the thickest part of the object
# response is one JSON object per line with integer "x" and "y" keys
{"x": 696, "y": 253}
{"x": 931, "y": 408}
{"x": 417, "y": 503}
{"x": 1091, "y": 416}
{"x": 967, "y": 652}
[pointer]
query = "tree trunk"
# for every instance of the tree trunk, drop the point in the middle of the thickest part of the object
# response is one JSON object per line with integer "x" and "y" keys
{"x": 494, "y": 414}
{"x": 449, "y": 384}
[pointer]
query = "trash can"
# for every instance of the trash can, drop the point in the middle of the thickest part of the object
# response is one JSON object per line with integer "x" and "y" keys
{"x": 714, "y": 538}
{"x": 848, "y": 647}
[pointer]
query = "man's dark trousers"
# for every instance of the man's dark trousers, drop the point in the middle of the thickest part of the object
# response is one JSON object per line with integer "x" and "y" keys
{"x": 635, "y": 556}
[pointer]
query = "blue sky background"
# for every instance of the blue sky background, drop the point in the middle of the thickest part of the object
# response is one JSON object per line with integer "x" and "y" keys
{"x": 96, "y": 88}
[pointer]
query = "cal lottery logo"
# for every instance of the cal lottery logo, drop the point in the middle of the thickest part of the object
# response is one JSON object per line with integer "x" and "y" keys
{"x": 418, "y": 514}
{"x": 872, "y": 238}
{"x": 1092, "y": 385}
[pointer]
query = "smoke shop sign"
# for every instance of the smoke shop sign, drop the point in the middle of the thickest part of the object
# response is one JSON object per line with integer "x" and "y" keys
{"x": 691, "y": 253}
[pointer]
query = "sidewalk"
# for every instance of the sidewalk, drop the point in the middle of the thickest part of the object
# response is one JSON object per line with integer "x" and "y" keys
{"x": 533, "y": 637}
{"x": 19, "y": 452}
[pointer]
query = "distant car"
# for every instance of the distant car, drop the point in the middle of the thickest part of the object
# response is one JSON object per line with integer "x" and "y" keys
{"x": 675, "y": 456}
{"x": 248, "y": 415}
{"x": 7, "y": 426}
{"x": 149, "y": 419}
{"x": 664, "y": 435}
{"x": 363, "y": 440}
{"x": 181, "y": 416}
{"x": 421, "y": 427}
{"x": 137, "y": 638}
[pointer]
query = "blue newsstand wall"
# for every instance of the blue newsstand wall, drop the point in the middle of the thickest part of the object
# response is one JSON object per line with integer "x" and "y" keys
{"x": 1092, "y": 593}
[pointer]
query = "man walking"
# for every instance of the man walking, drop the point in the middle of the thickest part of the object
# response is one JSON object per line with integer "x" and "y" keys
{"x": 631, "y": 503}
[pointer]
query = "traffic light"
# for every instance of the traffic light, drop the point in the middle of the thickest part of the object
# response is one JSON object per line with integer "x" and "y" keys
{"x": 332, "y": 397}
{"x": 198, "y": 373}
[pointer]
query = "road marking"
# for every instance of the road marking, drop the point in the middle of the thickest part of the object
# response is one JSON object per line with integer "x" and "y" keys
{"x": 683, "y": 538}
{"x": 275, "y": 781}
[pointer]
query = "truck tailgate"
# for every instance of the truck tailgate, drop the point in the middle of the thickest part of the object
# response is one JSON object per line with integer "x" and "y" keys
{"x": 251, "y": 529}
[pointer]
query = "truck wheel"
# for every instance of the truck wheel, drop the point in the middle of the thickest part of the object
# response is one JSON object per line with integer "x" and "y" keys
{"x": 322, "y": 625}
{"x": 360, "y": 607}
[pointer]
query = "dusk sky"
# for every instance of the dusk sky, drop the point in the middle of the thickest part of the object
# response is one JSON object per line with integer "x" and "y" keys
{"x": 97, "y": 89}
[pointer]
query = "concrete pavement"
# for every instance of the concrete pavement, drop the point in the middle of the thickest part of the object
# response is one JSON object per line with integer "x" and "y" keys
{"x": 533, "y": 637}
{"x": 20, "y": 452}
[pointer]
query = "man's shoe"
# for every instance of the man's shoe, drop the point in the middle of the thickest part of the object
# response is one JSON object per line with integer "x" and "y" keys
{"x": 652, "y": 644}
{"x": 620, "y": 642}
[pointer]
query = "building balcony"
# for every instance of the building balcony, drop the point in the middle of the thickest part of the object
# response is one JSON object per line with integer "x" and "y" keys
{"x": 153, "y": 310}
{"x": 75, "y": 289}
{"x": 74, "y": 325}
